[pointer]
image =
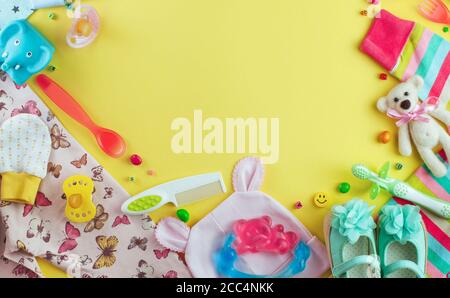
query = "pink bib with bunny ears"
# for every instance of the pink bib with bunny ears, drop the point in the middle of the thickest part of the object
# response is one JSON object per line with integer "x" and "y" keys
{"x": 207, "y": 237}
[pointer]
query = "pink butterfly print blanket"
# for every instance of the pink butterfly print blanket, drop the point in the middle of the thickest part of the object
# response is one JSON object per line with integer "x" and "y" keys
{"x": 111, "y": 245}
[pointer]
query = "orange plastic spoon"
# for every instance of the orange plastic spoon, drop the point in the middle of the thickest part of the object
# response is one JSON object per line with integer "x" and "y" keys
{"x": 109, "y": 141}
{"x": 435, "y": 10}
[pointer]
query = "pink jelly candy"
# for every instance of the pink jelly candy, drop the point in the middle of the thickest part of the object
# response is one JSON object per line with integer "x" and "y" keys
{"x": 258, "y": 235}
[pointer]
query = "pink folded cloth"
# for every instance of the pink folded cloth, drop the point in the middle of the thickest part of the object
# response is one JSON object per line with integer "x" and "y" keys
{"x": 111, "y": 245}
{"x": 405, "y": 49}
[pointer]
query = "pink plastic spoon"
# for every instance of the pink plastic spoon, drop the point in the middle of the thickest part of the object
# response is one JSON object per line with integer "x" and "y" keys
{"x": 109, "y": 141}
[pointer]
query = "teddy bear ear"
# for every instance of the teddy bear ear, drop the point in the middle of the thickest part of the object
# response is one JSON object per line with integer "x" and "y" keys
{"x": 382, "y": 105}
{"x": 417, "y": 81}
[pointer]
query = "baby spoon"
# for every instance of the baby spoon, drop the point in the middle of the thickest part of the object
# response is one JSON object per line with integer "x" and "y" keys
{"x": 109, "y": 141}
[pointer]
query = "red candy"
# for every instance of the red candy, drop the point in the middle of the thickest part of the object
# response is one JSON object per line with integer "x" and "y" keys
{"x": 136, "y": 160}
{"x": 298, "y": 205}
{"x": 383, "y": 76}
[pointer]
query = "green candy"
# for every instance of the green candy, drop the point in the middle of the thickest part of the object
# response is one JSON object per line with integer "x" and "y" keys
{"x": 344, "y": 187}
{"x": 399, "y": 166}
{"x": 183, "y": 215}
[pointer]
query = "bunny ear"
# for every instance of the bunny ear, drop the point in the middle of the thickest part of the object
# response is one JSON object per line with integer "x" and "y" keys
{"x": 248, "y": 175}
{"x": 172, "y": 234}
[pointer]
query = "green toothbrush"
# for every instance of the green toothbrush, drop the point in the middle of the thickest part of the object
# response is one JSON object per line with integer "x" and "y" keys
{"x": 400, "y": 189}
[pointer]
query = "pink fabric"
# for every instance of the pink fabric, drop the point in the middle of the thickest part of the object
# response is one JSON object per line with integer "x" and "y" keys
{"x": 207, "y": 236}
{"x": 248, "y": 175}
{"x": 27, "y": 232}
{"x": 173, "y": 234}
{"x": 386, "y": 39}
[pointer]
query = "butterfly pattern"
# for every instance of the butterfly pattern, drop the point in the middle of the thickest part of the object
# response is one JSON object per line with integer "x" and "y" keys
{"x": 144, "y": 270}
{"x": 121, "y": 220}
{"x": 54, "y": 169}
{"x": 53, "y": 258}
{"x": 81, "y": 162}
{"x": 147, "y": 223}
{"x": 59, "y": 140}
{"x": 70, "y": 241}
{"x": 138, "y": 242}
{"x": 40, "y": 230}
{"x": 85, "y": 260}
{"x": 5, "y": 219}
{"x": 101, "y": 217}
{"x": 170, "y": 274}
{"x": 161, "y": 254}
{"x": 41, "y": 201}
{"x": 50, "y": 116}
{"x": 4, "y": 204}
{"x": 22, "y": 247}
{"x": 30, "y": 107}
{"x": 108, "y": 193}
{"x": 97, "y": 173}
{"x": 108, "y": 246}
{"x": 22, "y": 271}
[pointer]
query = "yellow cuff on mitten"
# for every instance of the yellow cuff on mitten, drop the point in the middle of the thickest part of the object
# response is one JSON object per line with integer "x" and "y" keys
{"x": 25, "y": 150}
{"x": 19, "y": 188}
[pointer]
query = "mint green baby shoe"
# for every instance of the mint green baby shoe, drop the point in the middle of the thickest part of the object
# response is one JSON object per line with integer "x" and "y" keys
{"x": 350, "y": 238}
{"x": 402, "y": 242}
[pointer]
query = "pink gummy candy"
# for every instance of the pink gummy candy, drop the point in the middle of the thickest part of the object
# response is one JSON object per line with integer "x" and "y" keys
{"x": 258, "y": 235}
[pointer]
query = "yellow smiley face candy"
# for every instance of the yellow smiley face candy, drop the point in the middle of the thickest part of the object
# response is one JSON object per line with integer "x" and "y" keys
{"x": 79, "y": 206}
{"x": 321, "y": 199}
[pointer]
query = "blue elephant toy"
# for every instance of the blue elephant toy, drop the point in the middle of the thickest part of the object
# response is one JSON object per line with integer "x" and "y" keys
{"x": 24, "y": 51}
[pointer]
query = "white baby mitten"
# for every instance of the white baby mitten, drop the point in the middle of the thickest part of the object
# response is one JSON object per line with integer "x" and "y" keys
{"x": 25, "y": 145}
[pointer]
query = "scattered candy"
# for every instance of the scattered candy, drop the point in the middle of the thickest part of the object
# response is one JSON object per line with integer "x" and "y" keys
{"x": 52, "y": 16}
{"x": 445, "y": 29}
{"x": 344, "y": 187}
{"x": 383, "y": 76}
{"x": 384, "y": 137}
{"x": 131, "y": 178}
{"x": 399, "y": 166}
{"x": 136, "y": 160}
{"x": 183, "y": 215}
{"x": 151, "y": 172}
{"x": 298, "y": 205}
{"x": 363, "y": 12}
{"x": 321, "y": 199}
{"x": 51, "y": 68}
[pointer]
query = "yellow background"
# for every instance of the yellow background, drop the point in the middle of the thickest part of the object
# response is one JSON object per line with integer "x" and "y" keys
{"x": 298, "y": 60}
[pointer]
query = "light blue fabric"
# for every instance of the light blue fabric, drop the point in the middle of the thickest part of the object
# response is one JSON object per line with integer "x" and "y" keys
{"x": 11, "y": 10}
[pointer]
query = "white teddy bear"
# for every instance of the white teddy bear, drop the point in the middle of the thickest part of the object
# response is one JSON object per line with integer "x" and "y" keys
{"x": 414, "y": 117}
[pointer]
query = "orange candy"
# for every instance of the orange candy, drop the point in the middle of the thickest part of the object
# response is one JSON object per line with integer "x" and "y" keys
{"x": 384, "y": 137}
